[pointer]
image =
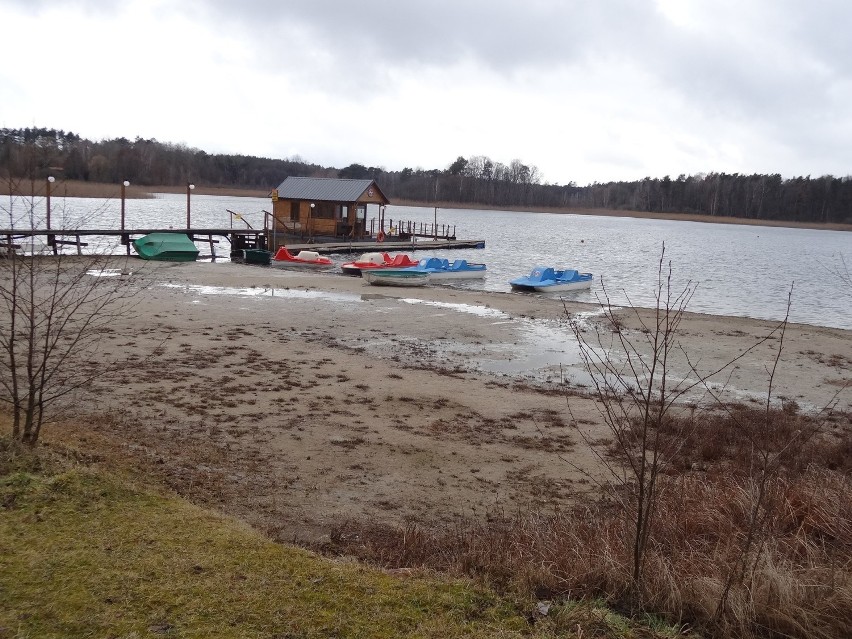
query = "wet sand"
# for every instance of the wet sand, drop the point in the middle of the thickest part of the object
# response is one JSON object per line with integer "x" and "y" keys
{"x": 297, "y": 401}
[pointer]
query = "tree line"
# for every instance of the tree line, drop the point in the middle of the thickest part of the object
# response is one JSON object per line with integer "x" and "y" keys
{"x": 34, "y": 153}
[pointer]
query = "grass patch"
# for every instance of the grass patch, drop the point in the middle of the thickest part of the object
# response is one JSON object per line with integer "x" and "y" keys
{"x": 85, "y": 555}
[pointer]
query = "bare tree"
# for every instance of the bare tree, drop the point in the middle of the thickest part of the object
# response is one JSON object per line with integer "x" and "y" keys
{"x": 632, "y": 379}
{"x": 54, "y": 310}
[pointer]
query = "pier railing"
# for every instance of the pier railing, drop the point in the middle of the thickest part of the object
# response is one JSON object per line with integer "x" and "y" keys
{"x": 408, "y": 228}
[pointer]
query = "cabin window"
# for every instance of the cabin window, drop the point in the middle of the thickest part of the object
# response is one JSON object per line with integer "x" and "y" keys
{"x": 324, "y": 210}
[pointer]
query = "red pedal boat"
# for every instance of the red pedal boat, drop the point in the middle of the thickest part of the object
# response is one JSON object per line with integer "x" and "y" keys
{"x": 303, "y": 259}
{"x": 370, "y": 261}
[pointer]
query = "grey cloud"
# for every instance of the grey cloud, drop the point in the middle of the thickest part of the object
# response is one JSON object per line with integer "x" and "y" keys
{"x": 792, "y": 80}
{"x": 794, "y": 90}
{"x": 717, "y": 71}
{"x": 501, "y": 35}
{"x": 89, "y": 6}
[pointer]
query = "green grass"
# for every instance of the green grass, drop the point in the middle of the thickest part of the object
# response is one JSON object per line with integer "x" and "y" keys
{"x": 82, "y": 555}
{"x": 88, "y": 553}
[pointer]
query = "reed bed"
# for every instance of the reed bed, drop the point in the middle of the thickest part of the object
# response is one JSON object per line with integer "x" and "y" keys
{"x": 793, "y": 580}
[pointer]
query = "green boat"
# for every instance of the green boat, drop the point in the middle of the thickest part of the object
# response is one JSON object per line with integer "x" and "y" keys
{"x": 166, "y": 247}
{"x": 252, "y": 256}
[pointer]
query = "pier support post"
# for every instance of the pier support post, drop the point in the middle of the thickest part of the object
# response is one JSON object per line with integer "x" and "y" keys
{"x": 51, "y": 240}
{"x": 189, "y": 188}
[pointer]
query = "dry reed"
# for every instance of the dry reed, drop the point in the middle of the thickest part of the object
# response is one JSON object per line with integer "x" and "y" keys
{"x": 797, "y": 583}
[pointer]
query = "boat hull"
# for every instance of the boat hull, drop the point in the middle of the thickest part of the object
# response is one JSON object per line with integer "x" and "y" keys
{"x": 441, "y": 269}
{"x": 385, "y": 277}
{"x": 166, "y": 247}
{"x": 372, "y": 261}
{"x": 359, "y": 270}
{"x": 300, "y": 266}
{"x": 548, "y": 280}
{"x": 302, "y": 260}
{"x": 252, "y": 256}
{"x": 552, "y": 288}
{"x": 458, "y": 275}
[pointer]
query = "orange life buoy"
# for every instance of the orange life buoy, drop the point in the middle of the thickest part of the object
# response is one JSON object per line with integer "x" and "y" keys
{"x": 380, "y": 237}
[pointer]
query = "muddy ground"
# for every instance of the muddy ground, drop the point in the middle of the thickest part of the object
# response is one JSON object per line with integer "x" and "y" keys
{"x": 300, "y": 401}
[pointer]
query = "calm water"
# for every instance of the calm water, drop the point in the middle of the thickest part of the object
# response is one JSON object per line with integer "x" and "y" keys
{"x": 737, "y": 269}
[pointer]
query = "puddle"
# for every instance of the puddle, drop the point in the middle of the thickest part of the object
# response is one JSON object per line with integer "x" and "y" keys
{"x": 584, "y": 318}
{"x": 263, "y": 291}
{"x": 541, "y": 345}
{"x": 540, "y": 351}
{"x": 479, "y": 311}
{"x": 107, "y": 272}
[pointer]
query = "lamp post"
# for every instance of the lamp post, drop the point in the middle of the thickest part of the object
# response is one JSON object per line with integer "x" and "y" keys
{"x": 50, "y": 180}
{"x": 311, "y": 223}
{"x": 189, "y": 188}
{"x": 124, "y": 185}
{"x": 50, "y": 239}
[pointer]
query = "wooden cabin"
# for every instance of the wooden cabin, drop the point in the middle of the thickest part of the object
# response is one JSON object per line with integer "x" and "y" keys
{"x": 327, "y": 207}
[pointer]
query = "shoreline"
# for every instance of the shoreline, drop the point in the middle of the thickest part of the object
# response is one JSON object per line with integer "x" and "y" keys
{"x": 108, "y": 191}
{"x": 683, "y": 217}
{"x": 70, "y": 188}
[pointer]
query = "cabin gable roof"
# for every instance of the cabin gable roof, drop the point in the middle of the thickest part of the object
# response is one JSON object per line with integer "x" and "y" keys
{"x": 330, "y": 190}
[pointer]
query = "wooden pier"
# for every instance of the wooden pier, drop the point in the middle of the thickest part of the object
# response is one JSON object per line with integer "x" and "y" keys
{"x": 324, "y": 215}
{"x": 239, "y": 239}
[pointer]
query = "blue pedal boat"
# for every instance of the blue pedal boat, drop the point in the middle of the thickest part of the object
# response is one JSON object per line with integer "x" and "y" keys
{"x": 545, "y": 279}
{"x": 442, "y": 269}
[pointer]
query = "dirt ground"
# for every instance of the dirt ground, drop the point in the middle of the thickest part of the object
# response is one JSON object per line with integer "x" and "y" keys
{"x": 299, "y": 401}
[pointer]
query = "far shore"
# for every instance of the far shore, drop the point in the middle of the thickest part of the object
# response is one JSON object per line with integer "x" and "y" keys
{"x": 684, "y": 217}
{"x": 76, "y": 188}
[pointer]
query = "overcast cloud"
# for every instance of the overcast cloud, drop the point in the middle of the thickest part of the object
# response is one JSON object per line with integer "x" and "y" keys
{"x": 587, "y": 91}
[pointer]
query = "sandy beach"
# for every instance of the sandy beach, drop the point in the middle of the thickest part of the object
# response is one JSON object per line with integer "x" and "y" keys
{"x": 298, "y": 401}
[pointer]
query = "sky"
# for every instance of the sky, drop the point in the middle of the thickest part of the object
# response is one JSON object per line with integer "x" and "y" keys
{"x": 584, "y": 90}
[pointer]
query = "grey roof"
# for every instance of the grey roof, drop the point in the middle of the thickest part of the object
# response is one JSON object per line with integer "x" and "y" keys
{"x": 324, "y": 189}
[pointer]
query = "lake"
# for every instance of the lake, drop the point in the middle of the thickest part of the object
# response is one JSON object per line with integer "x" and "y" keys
{"x": 738, "y": 270}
